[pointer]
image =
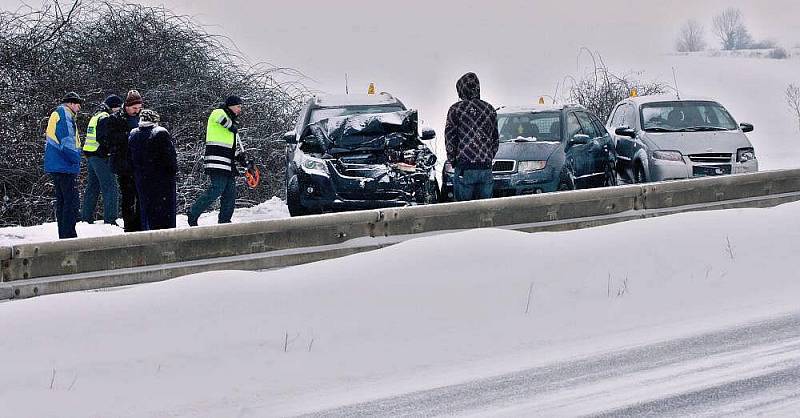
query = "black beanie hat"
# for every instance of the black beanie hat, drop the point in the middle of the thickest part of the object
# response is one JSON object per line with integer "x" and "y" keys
{"x": 72, "y": 97}
{"x": 233, "y": 101}
{"x": 113, "y": 101}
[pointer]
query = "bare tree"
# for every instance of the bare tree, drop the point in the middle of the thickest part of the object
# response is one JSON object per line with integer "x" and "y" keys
{"x": 103, "y": 47}
{"x": 793, "y": 99}
{"x": 691, "y": 37}
{"x": 731, "y": 31}
{"x": 599, "y": 89}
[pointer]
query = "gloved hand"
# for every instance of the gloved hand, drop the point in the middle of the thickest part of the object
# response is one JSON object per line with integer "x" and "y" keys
{"x": 242, "y": 158}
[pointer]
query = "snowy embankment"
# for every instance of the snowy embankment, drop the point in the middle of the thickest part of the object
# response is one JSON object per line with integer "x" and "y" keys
{"x": 422, "y": 314}
{"x": 271, "y": 209}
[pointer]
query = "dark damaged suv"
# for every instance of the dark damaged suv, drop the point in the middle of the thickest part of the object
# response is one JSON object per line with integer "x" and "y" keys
{"x": 357, "y": 152}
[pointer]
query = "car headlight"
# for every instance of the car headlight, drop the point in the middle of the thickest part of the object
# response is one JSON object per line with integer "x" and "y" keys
{"x": 528, "y": 166}
{"x": 313, "y": 165}
{"x": 744, "y": 155}
{"x": 668, "y": 155}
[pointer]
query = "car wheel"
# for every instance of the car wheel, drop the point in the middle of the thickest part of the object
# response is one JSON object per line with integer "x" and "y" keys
{"x": 566, "y": 180}
{"x": 639, "y": 175}
{"x": 293, "y": 198}
{"x": 610, "y": 178}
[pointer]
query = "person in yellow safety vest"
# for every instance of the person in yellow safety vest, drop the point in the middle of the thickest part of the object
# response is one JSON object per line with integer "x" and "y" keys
{"x": 220, "y": 161}
{"x": 62, "y": 160}
{"x": 99, "y": 177}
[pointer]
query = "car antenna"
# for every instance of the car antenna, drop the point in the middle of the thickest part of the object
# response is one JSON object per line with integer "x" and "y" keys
{"x": 346, "y": 87}
{"x": 675, "y": 79}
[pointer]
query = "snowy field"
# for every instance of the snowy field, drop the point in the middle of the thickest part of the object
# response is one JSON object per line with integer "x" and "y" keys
{"x": 616, "y": 320}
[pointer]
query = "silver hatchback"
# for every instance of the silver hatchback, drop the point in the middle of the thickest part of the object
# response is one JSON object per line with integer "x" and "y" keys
{"x": 666, "y": 138}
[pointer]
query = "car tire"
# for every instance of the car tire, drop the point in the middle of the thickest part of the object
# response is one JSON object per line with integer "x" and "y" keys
{"x": 566, "y": 180}
{"x": 639, "y": 175}
{"x": 293, "y": 198}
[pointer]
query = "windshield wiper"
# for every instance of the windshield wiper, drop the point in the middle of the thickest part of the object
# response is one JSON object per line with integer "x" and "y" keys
{"x": 703, "y": 129}
{"x": 659, "y": 129}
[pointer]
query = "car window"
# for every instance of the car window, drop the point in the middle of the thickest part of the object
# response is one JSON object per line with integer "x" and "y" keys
{"x": 587, "y": 127}
{"x": 686, "y": 115}
{"x": 619, "y": 116}
{"x": 332, "y": 112}
{"x": 541, "y": 126}
{"x": 629, "y": 118}
{"x": 601, "y": 130}
{"x": 573, "y": 126}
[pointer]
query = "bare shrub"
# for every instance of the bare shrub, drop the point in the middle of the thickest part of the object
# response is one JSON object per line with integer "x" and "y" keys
{"x": 691, "y": 37}
{"x": 778, "y": 54}
{"x": 793, "y": 99}
{"x": 731, "y": 31}
{"x": 599, "y": 89}
{"x": 110, "y": 47}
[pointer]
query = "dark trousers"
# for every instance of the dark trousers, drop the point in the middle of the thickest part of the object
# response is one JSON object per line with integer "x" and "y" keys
{"x": 67, "y": 203}
{"x": 472, "y": 184}
{"x": 100, "y": 179}
{"x": 131, "y": 213}
{"x": 223, "y": 186}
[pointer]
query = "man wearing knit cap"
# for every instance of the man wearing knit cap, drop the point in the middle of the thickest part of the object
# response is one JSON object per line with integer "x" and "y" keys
{"x": 120, "y": 124}
{"x": 62, "y": 160}
{"x": 220, "y": 161}
{"x": 100, "y": 179}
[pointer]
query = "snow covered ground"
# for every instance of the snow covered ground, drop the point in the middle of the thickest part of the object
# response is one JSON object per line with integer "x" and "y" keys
{"x": 271, "y": 209}
{"x": 618, "y": 313}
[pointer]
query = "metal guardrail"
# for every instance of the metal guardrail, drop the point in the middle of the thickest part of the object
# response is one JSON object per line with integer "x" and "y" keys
{"x": 91, "y": 263}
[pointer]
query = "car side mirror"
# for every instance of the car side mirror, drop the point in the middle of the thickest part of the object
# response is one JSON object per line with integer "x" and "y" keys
{"x": 290, "y": 137}
{"x": 428, "y": 134}
{"x": 625, "y": 131}
{"x": 746, "y": 127}
{"x": 579, "y": 139}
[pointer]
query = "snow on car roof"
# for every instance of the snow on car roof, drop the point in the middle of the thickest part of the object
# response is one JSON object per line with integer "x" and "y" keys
{"x": 354, "y": 100}
{"x": 668, "y": 98}
{"x": 533, "y": 108}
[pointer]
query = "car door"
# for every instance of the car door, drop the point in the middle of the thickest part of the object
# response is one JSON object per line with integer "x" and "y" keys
{"x": 596, "y": 152}
{"x": 577, "y": 156}
{"x": 626, "y": 146}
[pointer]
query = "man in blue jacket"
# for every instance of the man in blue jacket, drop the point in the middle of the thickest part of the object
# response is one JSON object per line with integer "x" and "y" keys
{"x": 62, "y": 160}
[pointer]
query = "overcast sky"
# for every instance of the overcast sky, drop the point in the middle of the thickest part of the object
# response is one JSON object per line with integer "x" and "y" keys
{"x": 417, "y": 49}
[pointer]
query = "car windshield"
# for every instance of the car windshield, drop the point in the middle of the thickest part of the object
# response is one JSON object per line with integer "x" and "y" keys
{"x": 539, "y": 126}
{"x": 686, "y": 116}
{"x": 332, "y": 112}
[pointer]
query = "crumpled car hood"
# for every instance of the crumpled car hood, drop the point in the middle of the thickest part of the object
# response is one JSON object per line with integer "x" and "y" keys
{"x": 367, "y": 132}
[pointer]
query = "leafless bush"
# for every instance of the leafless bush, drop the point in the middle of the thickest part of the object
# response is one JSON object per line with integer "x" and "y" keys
{"x": 691, "y": 37}
{"x": 778, "y": 54}
{"x": 731, "y": 31}
{"x": 793, "y": 99}
{"x": 110, "y": 47}
{"x": 599, "y": 90}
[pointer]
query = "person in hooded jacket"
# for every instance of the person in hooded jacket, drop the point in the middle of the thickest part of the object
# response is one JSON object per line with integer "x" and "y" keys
{"x": 120, "y": 124}
{"x": 471, "y": 141}
{"x": 100, "y": 178}
{"x": 154, "y": 163}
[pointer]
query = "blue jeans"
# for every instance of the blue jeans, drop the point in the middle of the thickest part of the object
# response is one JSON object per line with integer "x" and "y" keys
{"x": 67, "y": 203}
{"x": 100, "y": 179}
{"x": 223, "y": 186}
{"x": 472, "y": 184}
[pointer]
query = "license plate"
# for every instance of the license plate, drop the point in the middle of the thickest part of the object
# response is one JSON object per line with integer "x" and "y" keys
{"x": 713, "y": 170}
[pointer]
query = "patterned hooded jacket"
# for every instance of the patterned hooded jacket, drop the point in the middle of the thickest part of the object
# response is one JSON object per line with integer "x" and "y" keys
{"x": 470, "y": 134}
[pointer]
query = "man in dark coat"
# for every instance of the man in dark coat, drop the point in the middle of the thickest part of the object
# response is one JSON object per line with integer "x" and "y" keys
{"x": 154, "y": 162}
{"x": 471, "y": 141}
{"x": 119, "y": 126}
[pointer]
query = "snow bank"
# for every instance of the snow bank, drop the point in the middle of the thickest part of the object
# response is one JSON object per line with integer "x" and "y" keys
{"x": 427, "y": 312}
{"x": 272, "y": 209}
